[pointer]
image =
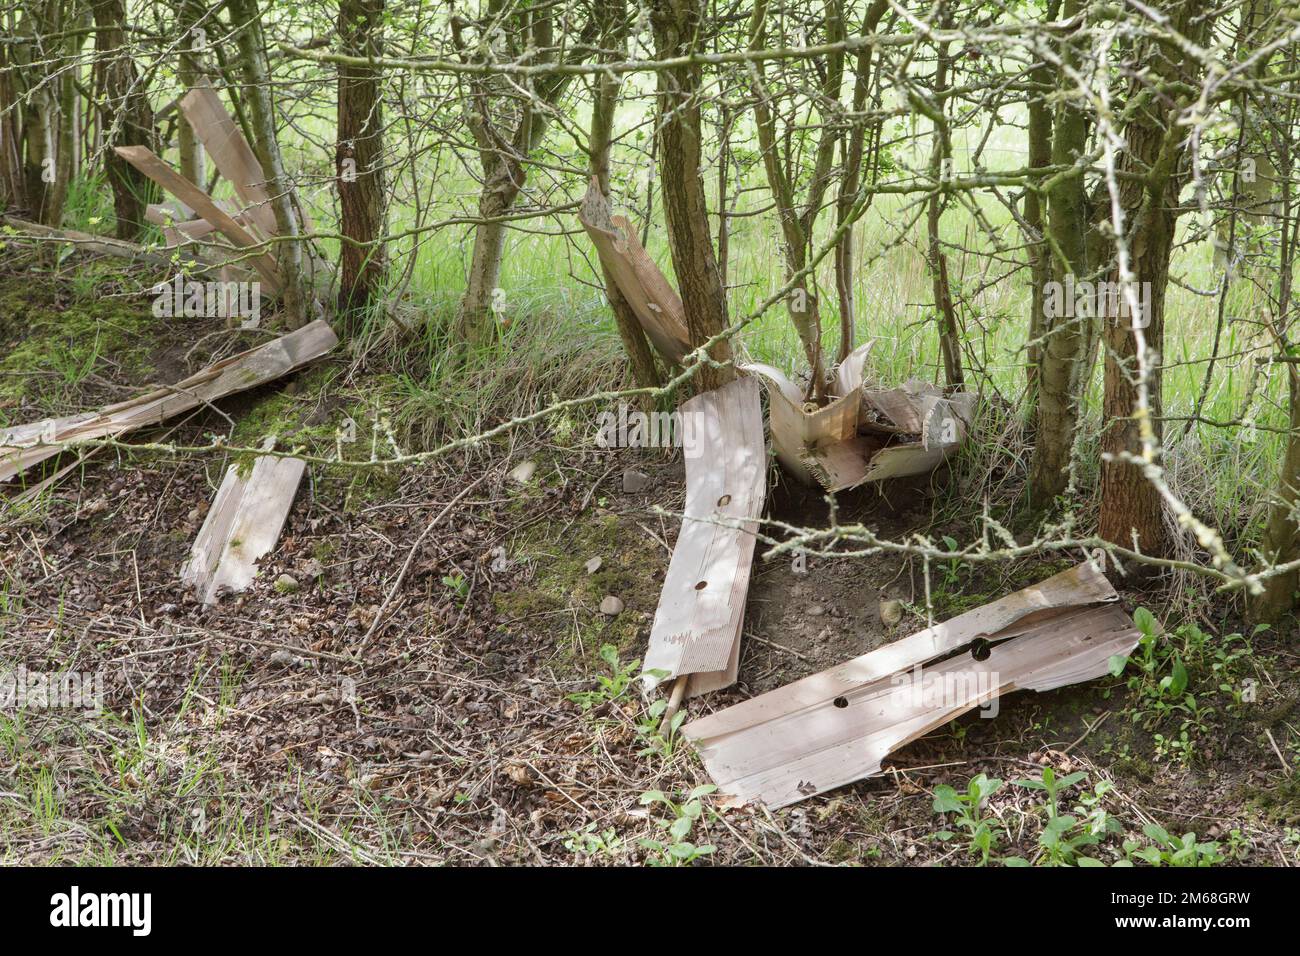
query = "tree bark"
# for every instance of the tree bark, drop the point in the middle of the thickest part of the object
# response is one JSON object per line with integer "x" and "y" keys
{"x": 1040, "y": 260}
{"x": 797, "y": 223}
{"x": 125, "y": 117}
{"x": 941, "y": 156}
{"x": 1132, "y": 510}
{"x": 612, "y": 15}
{"x": 192, "y": 158}
{"x": 290, "y": 249}
{"x": 677, "y": 26}
{"x": 13, "y": 188}
{"x": 360, "y": 140}
{"x": 504, "y": 142}
{"x": 1281, "y": 544}
{"x": 1065, "y": 337}
{"x": 854, "y": 149}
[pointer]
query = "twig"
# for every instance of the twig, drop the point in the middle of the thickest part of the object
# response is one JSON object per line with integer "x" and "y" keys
{"x": 406, "y": 565}
{"x": 1091, "y": 727}
{"x": 1277, "y": 750}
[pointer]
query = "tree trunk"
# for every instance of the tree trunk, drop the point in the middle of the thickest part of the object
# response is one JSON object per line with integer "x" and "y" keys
{"x": 1040, "y": 260}
{"x": 940, "y": 168}
{"x": 126, "y": 118}
{"x": 475, "y": 319}
{"x": 1281, "y": 544}
{"x": 41, "y": 102}
{"x": 797, "y": 224}
{"x": 192, "y": 158}
{"x": 677, "y": 30}
{"x": 290, "y": 251}
{"x": 13, "y": 188}
{"x": 850, "y": 184}
{"x": 1132, "y": 510}
{"x": 613, "y": 19}
{"x": 502, "y": 156}
{"x": 65, "y": 164}
{"x": 1065, "y": 337}
{"x": 360, "y": 158}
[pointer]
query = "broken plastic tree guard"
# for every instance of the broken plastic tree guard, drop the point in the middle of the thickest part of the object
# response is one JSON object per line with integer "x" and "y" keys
{"x": 652, "y": 298}
{"x": 231, "y": 153}
{"x": 864, "y": 434}
{"x": 697, "y": 624}
{"x": 148, "y": 163}
{"x": 242, "y": 525}
{"x": 836, "y": 727}
{"x": 795, "y": 430}
{"x": 25, "y": 445}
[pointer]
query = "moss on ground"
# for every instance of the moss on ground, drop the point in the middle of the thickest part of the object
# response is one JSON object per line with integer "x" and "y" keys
{"x": 631, "y": 569}
{"x": 56, "y": 336}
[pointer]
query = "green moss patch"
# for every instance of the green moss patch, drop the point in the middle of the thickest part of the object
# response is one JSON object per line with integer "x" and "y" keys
{"x": 563, "y": 598}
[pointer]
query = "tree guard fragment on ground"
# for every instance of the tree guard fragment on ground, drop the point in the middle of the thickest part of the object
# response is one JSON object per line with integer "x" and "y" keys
{"x": 835, "y": 727}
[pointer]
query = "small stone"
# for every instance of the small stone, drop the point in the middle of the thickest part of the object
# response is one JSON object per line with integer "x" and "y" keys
{"x": 891, "y": 612}
{"x": 634, "y": 482}
{"x": 286, "y": 584}
{"x": 611, "y": 606}
{"x": 593, "y": 565}
{"x": 523, "y": 472}
{"x": 282, "y": 657}
{"x": 816, "y": 610}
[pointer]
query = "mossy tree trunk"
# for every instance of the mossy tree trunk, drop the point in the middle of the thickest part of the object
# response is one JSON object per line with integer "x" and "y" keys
{"x": 1063, "y": 360}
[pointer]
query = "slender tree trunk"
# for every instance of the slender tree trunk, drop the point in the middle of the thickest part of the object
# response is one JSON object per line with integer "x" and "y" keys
{"x": 1281, "y": 544}
{"x": 613, "y": 14}
{"x": 13, "y": 187}
{"x": 40, "y": 164}
{"x": 41, "y": 109}
{"x": 502, "y": 156}
{"x": 125, "y": 117}
{"x": 360, "y": 158}
{"x": 1040, "y": 260}
{"x": 797, "y": 224}
{"x": 65, "y": 163}
{"x": 940, "y": 169}
{"x": 290, "y": 250}
{"x": 853, "y": 150}
{"x": 475, "y": 319}
{"x": 724, "y": 165}
{"x": 1063, "y": 360}
{"x": 1131, "y": 506}
{"x": 677, "y": 26}
{"x": 192, "y": 158}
